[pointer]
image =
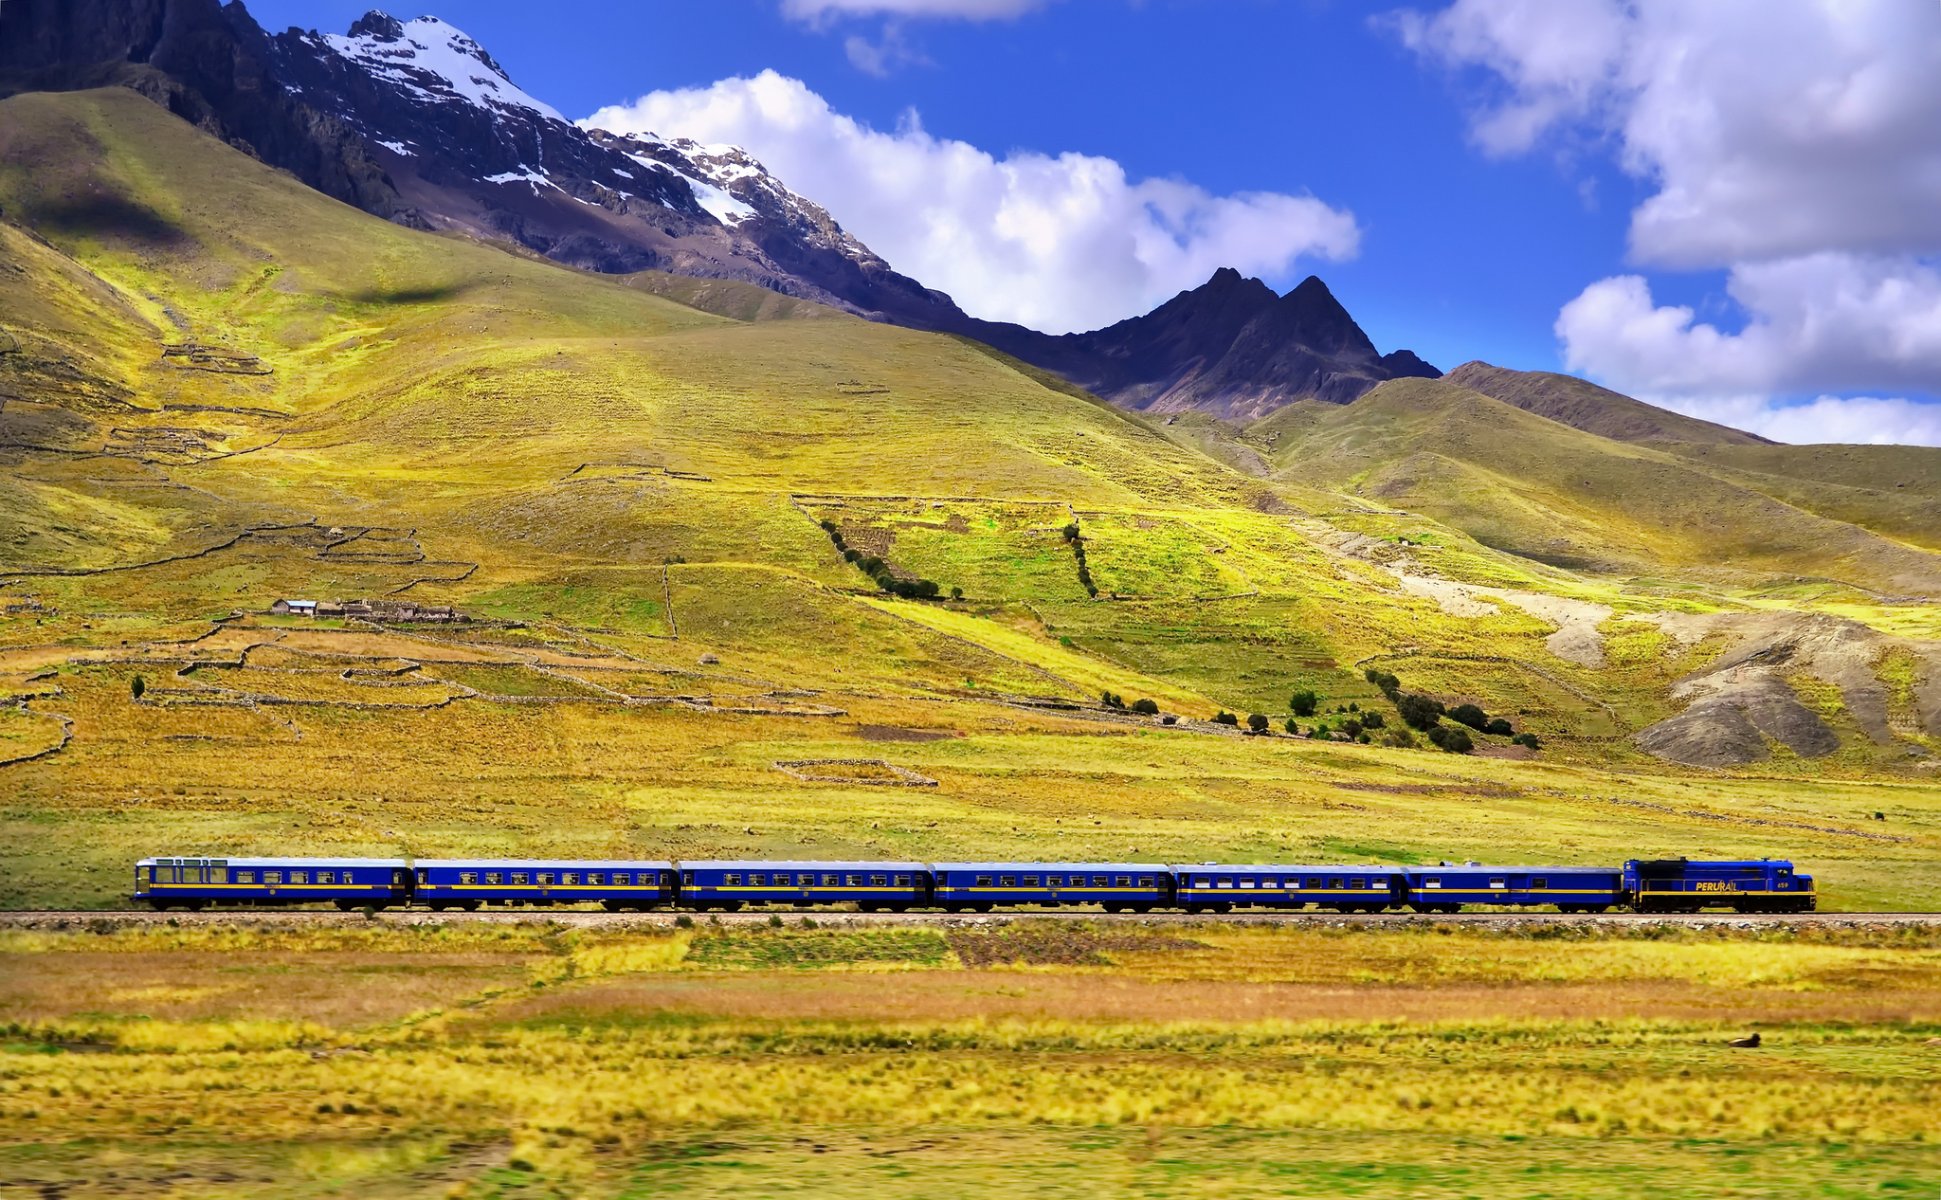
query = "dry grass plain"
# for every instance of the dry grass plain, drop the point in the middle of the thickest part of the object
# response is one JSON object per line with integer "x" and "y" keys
{"x": 528, "y": 1060}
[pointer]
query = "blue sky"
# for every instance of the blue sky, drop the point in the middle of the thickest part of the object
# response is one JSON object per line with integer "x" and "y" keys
{"x": 1493, "y": 164}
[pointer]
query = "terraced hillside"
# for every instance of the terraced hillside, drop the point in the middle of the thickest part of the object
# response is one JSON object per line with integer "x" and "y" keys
{"x": 219, "y": 389}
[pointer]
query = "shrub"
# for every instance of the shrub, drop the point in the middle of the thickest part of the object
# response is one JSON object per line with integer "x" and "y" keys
{"x": 1353, "y": 707}
{"x": 1319, "y": 733}
{"x": 1149, "y": 708}
{"x": 1451, "y": 739}
{"x": 683, "y": 922}
{"x": 1419, "y": 711}
{"x": 852, "y": 555}
{"x": 1528, "y": 739}
{"x": 1111, "y": 700}
{"x": 1499, "y": 727}
{"x": 1257, "y": 722}
{"x": 927, "y": 589}
{"x": 1388, "y": 683}
{"x": 1351, "y": 727}
{"x": 1293, "y": 728}
{"x": 1470, "y": 715}
{"x": 1070, "y": 532}
{"x": 774, "y": 920}
{"x": 1363, "y": 739}
{"x": 137, "y": 686}
{"x": 1373, "y": 720}
{"x": 1304, "y": 703}
{"x": 827, "y": 525}
{"x": 1223, "y": 717}
{"x": 956, "y": 593}
{"x": 1169, "y": 719}
{"x": 870, "y": 564}
{"x": 1399, "y": 738}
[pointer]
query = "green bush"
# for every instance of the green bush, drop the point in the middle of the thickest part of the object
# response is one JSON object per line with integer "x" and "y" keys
{"x": 1257, "y": 722}
{"x": 1451, "y": 739}
{"x": 1149, "y": 708}
{"x": 1351, "y": 727}
{"x": 1111, "y": 700}
{"x": 1499, "y": 727}
{"x": 1373, "y": 720}
{"x": 1468, "y": 714}
{"x": 1528, "y": 739}
{"x": 1223, "y": 717}
{"x": 1304, "y": 703}
{"x": 1419, "y": 711}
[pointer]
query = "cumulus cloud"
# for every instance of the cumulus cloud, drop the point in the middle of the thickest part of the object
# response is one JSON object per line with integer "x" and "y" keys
{"x": 1820, "y": 322}
{"x": 1865, "y": 420}
{"x": 1792, "y": 143}
{"x": 1057, "y": 242}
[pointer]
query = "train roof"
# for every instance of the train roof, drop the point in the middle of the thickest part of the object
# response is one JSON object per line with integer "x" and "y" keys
{"x": 217, "y": 860}
{"x": 753, "y": 864}
{"x": 1052, "y": 866}
{"x": 1218, "y": 868}
{"x": 565, "y": 864}
{"x": 1666, "y": 863}
{"x": 1546, "y": 869}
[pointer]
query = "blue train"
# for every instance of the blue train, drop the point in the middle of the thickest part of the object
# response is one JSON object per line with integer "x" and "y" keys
{"x": 1667, "y": 885}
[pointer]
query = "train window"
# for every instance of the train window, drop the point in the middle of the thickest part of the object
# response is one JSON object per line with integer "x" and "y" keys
{"x": 1335, "y": 883}
{"x": 854, "y": 880}
{"x": 903, "y": 881}
{"x": 521, "y": 877}
{"x": 879, "y": 880}
{"x": 1145, "y": 881}
{"x": 732, "y": 880}
{"x": 245, "y": 877}
{"x": 831, "y": 880}
{"x": 1031, "y": 881}
{"x": 495, "y": 877}
{"x": 595, "y": 878}
{"x": 1225, "y": 883}
{"x": 1268, "y": 882}
{"x": 469, "y": 877}
{"x": 272, "y": 877}
{"x": 1357, "y": 884}
{"x": 1008, "y": 881}
{"x": 1313, "y": 881}
{"x": 1539, "y": 883}
{"x": 546, "y": 879}
{"x": 1101, "y": 881}
{"x": 326, "y": 877}
{"x": 1496, "y": 883}
{"x": 299, "y": 877}
{"x": 983, "y": 881}
{"x": 1246, "y": 882}
{"x": 687, "y": 877}
{"x": 758, "y": 880}
{"x": 218, "y": 874}
{"x": 1125, "y": 881}
{"x": 569, "y": 878}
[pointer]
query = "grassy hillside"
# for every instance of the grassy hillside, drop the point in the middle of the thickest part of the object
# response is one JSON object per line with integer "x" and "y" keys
{"x": 221, "y": 389}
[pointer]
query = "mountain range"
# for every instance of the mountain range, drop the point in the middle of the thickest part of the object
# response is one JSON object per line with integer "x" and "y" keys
{"x": 415, "y": 122}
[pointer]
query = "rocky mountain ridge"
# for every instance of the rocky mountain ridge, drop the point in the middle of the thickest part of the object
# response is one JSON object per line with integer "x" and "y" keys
{"x": 416, "y": 122}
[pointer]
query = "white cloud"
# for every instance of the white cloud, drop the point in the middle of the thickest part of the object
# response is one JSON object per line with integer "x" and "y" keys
{"x": 1819, "y": 322}
{"x": 1793, "y": 143}
{"x": 1058, "y": 243}
{"x": 975, "y": 10}
{"x": 1844, "y": 419}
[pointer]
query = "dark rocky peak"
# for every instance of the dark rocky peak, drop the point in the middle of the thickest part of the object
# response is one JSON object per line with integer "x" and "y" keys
{"x": 1312, "y": 315}
{"x": 381, "y": 26}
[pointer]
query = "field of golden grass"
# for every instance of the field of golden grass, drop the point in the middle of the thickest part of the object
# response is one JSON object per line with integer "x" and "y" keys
{"x": 529, "y": 1060}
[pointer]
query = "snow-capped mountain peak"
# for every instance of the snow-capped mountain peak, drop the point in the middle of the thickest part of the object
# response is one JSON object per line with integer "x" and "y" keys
{"x": 434, "y": 59}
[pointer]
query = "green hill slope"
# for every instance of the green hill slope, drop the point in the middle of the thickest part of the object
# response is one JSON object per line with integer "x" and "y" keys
{"x": 222, "y": 389}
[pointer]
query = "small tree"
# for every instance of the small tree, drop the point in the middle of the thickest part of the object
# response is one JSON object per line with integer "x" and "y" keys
{"x": 1070, "y": 532}
{"x": 1146, "y": 708}
{"x": 827, "y": 525}
{"x": 870, "y": 564}
{"x": 1319, "y": 733}
{"x": 137, "y": 686}
{"x": 956, "y": 593}
{"x": 1351, "y": 727}
{"x": 1499, "y": 727}
{"x": 1470, "y": 715}
{"x": 1528, "y": 739}
{"x": 1388, "y": 683}
{"x": 1111, "y": 700}
{"x": 1373, "y": 720}
{"x": 1419, "y": 711}
{"x": 1399, "y": 738}
{"x": 1451, "y": 739}
{"x": 927, "y": 589}
{"x": 1223, "y": 717}
{"x": 1293, "y": 728}
{"x": 1304, "y": 703}
{"x": 1257, "y": 722}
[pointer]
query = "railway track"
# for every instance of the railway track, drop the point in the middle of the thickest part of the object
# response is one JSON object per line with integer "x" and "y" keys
{"x": 592, "y": 919}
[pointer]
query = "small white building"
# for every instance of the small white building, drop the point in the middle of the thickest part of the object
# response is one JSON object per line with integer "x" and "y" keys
{"x": 299, "y": 608}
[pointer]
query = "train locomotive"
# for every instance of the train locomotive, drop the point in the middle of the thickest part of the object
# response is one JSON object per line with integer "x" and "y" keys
{"x": 1662, "y": 885}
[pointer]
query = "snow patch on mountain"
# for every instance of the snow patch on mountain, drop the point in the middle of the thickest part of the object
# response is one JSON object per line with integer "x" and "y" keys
{"x": 434, "y": 60}
{"x": 524, "y": 175}
{"x": 717, "y": 202}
